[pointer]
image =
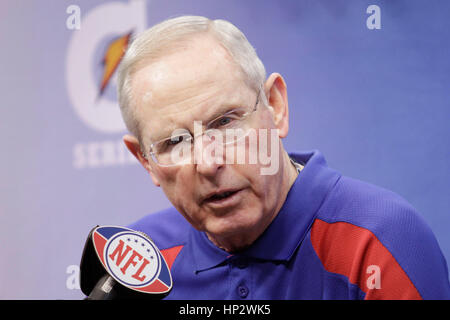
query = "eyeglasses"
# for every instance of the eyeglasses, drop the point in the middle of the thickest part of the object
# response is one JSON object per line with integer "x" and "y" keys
{"x": 178, "y": 149}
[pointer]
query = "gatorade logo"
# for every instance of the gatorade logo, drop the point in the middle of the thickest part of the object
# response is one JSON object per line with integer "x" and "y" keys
{"x": 88, "y": 54}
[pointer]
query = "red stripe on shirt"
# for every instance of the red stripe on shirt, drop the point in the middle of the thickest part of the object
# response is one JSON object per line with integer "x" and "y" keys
{"x": 356, "y": 253}
{"x": 171, "y": 254}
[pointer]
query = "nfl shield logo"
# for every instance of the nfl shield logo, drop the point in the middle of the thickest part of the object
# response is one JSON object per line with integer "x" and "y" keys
{"x": 132, "y": 259}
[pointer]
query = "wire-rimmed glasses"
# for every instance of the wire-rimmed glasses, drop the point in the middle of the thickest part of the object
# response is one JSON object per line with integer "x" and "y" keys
{"x": 226, "y": 129}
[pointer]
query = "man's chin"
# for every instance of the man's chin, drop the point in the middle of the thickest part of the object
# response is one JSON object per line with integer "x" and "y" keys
{"x": 235, "y": 236}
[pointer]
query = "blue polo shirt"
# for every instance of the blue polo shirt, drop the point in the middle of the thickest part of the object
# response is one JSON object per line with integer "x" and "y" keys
{"x": 334, "y": 238}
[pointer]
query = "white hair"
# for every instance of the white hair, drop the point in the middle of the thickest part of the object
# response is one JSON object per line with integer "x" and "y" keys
{"x": 153, "y": 43}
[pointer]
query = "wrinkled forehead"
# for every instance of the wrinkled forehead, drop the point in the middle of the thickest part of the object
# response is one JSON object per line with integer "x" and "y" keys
{"x": 198, "y": 103}
{"x": 187, "y": 85}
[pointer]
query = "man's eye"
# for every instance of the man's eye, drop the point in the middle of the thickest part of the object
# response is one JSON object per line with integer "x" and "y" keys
{"x": 224, "y": 121}
{"x": 169, "y": 143}
{"x": 175, "y": 140}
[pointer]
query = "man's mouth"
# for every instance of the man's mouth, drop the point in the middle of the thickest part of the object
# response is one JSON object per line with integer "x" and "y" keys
{"x": 220, "y": 196}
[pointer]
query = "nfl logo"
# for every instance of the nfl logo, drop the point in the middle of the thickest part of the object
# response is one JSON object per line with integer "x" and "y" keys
{"x": 132, "y": 259}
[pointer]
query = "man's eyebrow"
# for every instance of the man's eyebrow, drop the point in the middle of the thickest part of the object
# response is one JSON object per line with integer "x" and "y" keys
{"x": 162, "y": 135}
{"x": 224, "y": 108}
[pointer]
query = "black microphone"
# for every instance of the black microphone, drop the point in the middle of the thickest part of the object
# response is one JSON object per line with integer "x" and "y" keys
{"x": 120, "y": 263}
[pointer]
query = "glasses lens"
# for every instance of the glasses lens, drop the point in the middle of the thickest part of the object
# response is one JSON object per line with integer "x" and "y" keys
{"x": 235, "y": 134}
{"x": 174, "y": 150}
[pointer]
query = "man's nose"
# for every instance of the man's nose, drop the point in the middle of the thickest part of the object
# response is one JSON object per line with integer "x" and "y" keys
{"x": 209, "y": 155}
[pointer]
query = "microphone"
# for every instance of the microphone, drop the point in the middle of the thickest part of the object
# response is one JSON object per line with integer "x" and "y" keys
{"x": 120, "y": 263}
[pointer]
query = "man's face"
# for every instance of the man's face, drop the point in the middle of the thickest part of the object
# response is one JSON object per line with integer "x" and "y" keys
{"x": 198, "y": 84}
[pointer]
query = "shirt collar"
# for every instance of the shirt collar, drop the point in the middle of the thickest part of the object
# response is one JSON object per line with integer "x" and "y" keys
{"x": 280, "y": 240}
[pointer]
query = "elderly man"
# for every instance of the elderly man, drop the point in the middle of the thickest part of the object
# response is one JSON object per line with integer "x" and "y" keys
{"x": 249, "y": 220}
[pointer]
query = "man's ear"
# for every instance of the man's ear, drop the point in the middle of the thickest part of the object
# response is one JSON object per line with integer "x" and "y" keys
{"x": 134, "y": 146}
{"x": 276, "y": 93}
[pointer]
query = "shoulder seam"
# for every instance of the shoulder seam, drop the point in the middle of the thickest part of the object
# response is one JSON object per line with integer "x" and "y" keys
{"x": 326, "y": 197}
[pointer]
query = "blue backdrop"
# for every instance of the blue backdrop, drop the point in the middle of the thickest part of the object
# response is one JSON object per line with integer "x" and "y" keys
{"x": 368, "y": 86}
